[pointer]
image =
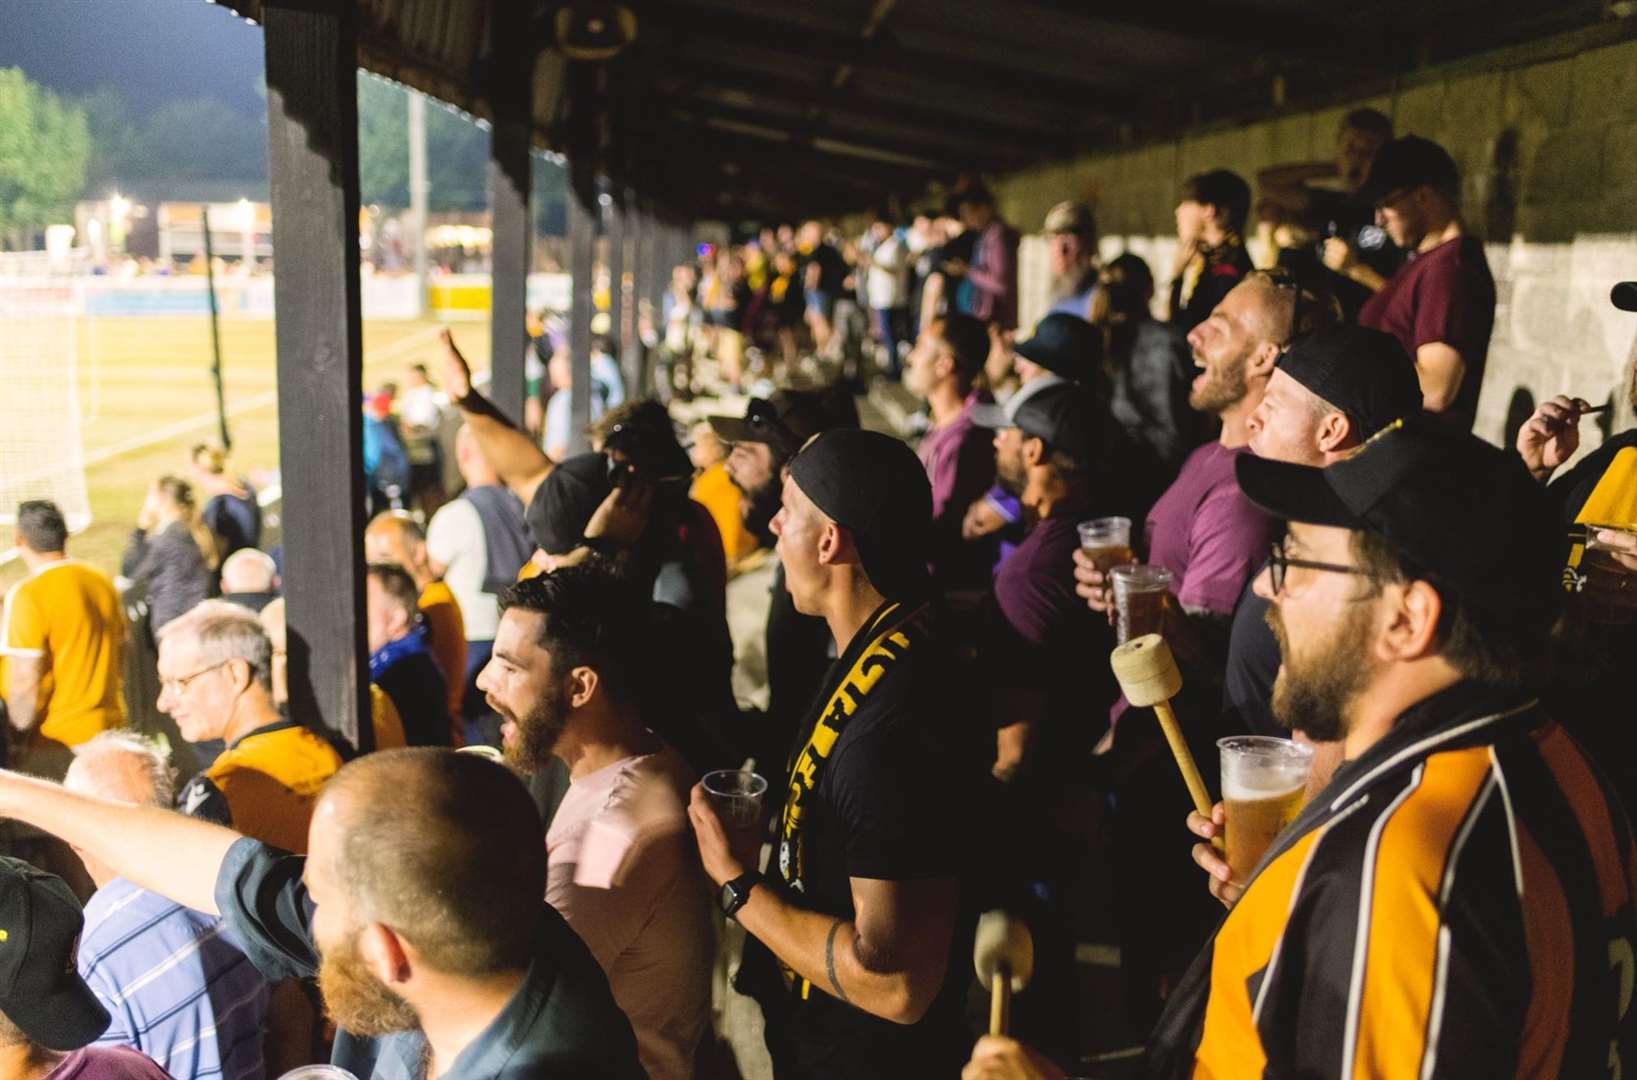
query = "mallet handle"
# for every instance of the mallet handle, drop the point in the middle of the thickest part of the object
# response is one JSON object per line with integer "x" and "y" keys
{"x": 1185, "y": 762}
{"x": 1000, "y": 1000}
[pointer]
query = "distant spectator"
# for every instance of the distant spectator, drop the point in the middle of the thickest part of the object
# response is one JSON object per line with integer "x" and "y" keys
{"x": 400, "y": 661}
{"x": 886, "y": 285}
{"x": 177, "y": 988}
{"x": 989, "y": 291}
{"x": 1150, "y": 365}
{"x": 386, "y": 725}
{"x": 1441, "y": 304}
{"x": 62, "y": 637}
{"x": 250, "y": 579}
{"x": 713, "y": 489}
{"x": 824, "y": 278}
{"x": 171, "y": 553}
{"x": 395, "y": 538}
{"x": 621, "y": 868}
{"x": 386, "y": 462}
{"x": 476, "y": 543}
{"x": 1211, "y": 257}
{"x": 49, "y": 1017}
{"x": 1071, "y": 253}
{"x": 959, "y": 460}
{"x": 215, "y": 681}
{"x": 231, "y": 510}
{"x": 607, "y": 391}
{"x": 420, "y": 415}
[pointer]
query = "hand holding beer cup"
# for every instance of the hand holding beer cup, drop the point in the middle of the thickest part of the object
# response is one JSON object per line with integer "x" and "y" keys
{"x": 1209, "y": 858}
{"x": 1264, "y": 781}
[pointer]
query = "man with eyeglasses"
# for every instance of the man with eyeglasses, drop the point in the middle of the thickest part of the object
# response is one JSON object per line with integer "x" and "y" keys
{"x": 215, "y": 681}
{"x": 1441, "y": 303}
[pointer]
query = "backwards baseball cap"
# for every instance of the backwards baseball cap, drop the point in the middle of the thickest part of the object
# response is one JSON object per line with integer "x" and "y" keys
{"x": 1409, "y": 162}
{"x": 1065, "y": 418}
{"x": 564, "y": 502}
{"x": 1364, "y": 373}
{"x": 875, "y": 487}
{"x": 1466, "y": 513}
{"x": 987, "y": 414}
{"x": 41, "y": 991}
{"x": 787, "y": 419}
{"x": 1072, "y": 217}
{"x": 1065, "y": 344}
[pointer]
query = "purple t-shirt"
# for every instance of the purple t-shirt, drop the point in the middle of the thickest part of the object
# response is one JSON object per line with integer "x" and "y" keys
{"x": 1034, "y": 588}
{"x": 1207, "y": 533}
{"x": 108, "y": 1063}
{"x": 960, "y": 462}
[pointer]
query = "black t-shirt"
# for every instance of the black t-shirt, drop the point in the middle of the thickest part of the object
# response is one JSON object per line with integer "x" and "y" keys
{"x": 421, "y": 697}
{"x": 1337, "y": 213}
{"x": 891, "y": 802}
{"x": 1225, "y": 267}
{"x": 1253, "y": 663}
{"x": 832, "y": 269}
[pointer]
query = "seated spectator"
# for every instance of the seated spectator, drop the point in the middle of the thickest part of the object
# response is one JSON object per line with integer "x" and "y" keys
{"x": 49, "y": 1017}
{"x": 943, "y": 368}
{"x": 1211, "y": 257}
{"x": 1330, "y": 393}
{"x": 62, "y": 637}
{"x": 1070, "y": 231}
{"x": 620, "y": 862}
{"x": 215, "y": 681}
{"x": 1440, "y": 304}
{"x": 176, "y": 987}
{"x": 853, "y": 952}
{"x": 476, "y": 543}
{"x": 419, "y": 913}
{"x": 1423, "y": 653}
{"x": 400, "y": 657}
{"x": 171, "y": 554}
{"x": 1150, "y": 366}
{"x": 385, "y": 723}
{"x": 394, "y": 538}
{"x": 231, "y": 510}
{"x": 250, "y": 579}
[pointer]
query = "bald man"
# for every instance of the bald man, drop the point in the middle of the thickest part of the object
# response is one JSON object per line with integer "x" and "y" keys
{"x": 250, "y": 579}
{"x": 418, "y": 910}
{"x": 394, "y": 537}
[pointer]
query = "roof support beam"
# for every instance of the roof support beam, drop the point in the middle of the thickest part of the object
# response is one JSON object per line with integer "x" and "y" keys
{"x": 511, "y": 77}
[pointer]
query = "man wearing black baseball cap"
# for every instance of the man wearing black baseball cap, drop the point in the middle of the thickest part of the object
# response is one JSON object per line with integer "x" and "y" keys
{"x": 1440, "y": 304}
{"x": 49, "y": 1017}
{"x": 853, "y": 951}
{"x": 1395, "y": 927}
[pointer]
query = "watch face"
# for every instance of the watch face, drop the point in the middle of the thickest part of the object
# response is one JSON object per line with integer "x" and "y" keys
{"x": 727, "y": 897}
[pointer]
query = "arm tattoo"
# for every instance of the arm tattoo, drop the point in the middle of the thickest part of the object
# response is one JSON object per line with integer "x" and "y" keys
{"x": 830, "y": 962}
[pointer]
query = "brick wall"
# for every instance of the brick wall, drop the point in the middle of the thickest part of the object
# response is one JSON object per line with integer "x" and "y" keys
{"x": 1548, "y": 153}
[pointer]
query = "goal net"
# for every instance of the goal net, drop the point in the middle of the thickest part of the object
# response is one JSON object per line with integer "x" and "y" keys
{"x": 41, "y": 456}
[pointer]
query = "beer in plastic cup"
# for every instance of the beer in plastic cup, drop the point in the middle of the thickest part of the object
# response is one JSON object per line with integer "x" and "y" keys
{"x": 736, "y": 795}
{"x": 1107, "y": 542}
{"x": 1139, "y": 600}
{"x": 1263, "y": 780}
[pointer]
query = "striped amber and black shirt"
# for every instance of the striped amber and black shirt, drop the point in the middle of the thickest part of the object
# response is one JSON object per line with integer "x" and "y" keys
{"x": 1458, "y": 902}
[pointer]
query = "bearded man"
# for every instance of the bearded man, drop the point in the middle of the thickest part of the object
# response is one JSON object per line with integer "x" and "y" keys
{"x": 621, "y": 868}
{"x": 418, "y": 908}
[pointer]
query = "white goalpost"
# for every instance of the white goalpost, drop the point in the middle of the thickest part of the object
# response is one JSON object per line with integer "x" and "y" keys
{"x": 41, "y": 454}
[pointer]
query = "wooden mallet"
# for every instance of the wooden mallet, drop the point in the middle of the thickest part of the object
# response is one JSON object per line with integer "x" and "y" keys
{"x": 1003, "y": 953}
{"x": 1148, "y": 674}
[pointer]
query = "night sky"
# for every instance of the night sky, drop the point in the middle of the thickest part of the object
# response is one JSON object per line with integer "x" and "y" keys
{"x": 149, "y": 50}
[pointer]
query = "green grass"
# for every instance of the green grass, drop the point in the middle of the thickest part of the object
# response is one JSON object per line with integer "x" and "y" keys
{"x": 142, "y": 379}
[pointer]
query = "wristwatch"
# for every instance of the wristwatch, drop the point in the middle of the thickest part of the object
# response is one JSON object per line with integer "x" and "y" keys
{"x": 735, "y": 893}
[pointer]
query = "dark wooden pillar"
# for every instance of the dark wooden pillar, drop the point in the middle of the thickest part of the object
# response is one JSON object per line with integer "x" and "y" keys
{"x": 641, "y": 256}
{"x": 582, "y": 259}
{"x": 615, "y": 229}
{"x": 511, "y": 93}
{"x": 312, "y": 127}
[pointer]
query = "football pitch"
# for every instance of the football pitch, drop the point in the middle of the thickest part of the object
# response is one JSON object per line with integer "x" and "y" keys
{"x": 146, "y": 397}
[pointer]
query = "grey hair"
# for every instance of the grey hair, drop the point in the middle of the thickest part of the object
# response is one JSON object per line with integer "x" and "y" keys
{"x": 157, "y": 772}
{"x": 221, "y": 632}
{"x": 249, "y": 570}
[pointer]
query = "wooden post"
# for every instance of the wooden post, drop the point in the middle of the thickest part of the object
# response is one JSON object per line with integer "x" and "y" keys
{"x": 642, "y": 255}
{"x": 582, "y": 243}
{"x": 511, "y": 91}
{"x": 615, "y": 229}
{"x": 312, "y": 128}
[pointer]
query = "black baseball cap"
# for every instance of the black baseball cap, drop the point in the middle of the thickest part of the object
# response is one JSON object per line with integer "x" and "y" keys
{"x": 875, "y": 487}
{"x": 788, "y": 418}
{"x": 1066, "y": 345}
{"x": 564, "y": 502}
{"x": 1066, "y": 418}
{"x": 41, "y": 991}
{"x": 1409, "y": 162}
{"x": 1365, "y": 373}
{"x": 1466, "y": 513}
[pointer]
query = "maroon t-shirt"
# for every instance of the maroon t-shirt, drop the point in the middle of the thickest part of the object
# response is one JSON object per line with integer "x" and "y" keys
{"x": 108, "y": 1063}
{"x": 1207, "y": 533}
{"x": 1444, "y": 295}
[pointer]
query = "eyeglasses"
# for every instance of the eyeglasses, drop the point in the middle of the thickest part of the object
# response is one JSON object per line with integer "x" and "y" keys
{"x": 1308, "y": 309}
{"x": 177, "y": 686}
{"x": 1279, "y": 563}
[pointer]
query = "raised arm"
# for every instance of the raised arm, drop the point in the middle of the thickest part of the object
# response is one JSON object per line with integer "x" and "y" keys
{"x": 518, "y": 459}
{"x": 163, "y": 851}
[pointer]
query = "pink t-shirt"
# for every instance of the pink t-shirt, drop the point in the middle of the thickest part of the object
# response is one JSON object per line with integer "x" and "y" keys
{"x": 108, "y": 1063}
{"x": 622, "y": 868}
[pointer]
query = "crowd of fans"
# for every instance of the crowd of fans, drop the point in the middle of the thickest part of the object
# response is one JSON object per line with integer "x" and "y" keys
{"x": 1286, "y": 454}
